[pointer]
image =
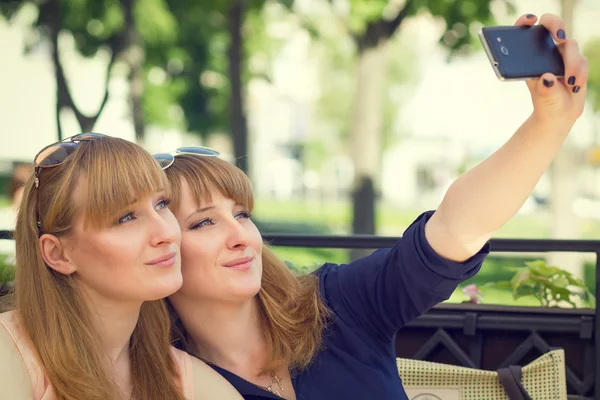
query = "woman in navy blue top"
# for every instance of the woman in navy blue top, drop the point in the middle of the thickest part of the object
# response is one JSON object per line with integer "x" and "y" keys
{"x": 330, "y": 334}
{"x": 371, "y": 299}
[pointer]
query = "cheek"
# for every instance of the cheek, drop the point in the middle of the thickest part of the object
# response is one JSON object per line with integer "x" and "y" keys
{"x": 189, "y": 250}
{"x": 98, "y": 250}
{"x": 174, "y": 226}
{"x": 99, "y": 257}
{"x": 196, "y": 256}
{"x": 257, "y": 241}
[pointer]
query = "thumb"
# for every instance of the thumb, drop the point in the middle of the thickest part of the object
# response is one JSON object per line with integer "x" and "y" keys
{"x": 546, "y": 92}
{"x": 546, "y": 87}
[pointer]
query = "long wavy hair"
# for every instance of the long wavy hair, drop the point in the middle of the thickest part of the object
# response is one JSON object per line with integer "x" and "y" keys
{"x": 49, "y": 305}
{"x": 292, "y": 313}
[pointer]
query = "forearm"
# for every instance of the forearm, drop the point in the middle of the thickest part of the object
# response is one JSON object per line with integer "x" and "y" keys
{"x": 483, "y": 199}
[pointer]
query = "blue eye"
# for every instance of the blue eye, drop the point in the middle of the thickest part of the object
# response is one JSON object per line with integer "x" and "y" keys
{"x": 204, "y": 222}
{"x": 163, "y": 204}
{"x": 126, "y": 218}
{"x": 243, "y": 215}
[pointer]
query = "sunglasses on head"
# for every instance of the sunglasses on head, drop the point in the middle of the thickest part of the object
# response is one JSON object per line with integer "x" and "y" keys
{"x": 56, "y": 153}
{"x": 167, "y": 159}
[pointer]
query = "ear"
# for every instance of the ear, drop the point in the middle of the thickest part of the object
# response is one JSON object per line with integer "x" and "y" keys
{"x": 54, "y": 255}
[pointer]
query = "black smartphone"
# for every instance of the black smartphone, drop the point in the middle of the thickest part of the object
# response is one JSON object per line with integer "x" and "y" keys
{"x": 519, "y": 53}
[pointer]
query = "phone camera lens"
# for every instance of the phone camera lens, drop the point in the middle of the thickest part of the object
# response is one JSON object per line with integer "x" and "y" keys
{"x": 504, "y": 50}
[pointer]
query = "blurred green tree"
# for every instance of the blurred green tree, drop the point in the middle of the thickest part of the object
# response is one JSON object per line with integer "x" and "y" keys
{"x": 371, "y": 24}
{"x": 217, "y": 37}
{"x": 121, "y": 28}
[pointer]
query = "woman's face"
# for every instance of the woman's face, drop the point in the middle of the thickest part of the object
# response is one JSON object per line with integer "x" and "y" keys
{"x": 220, "y": 250}
{"x": 136, "y": 258}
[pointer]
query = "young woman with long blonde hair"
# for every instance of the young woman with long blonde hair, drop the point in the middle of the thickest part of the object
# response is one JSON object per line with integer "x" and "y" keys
{"x": 96, "y": 250}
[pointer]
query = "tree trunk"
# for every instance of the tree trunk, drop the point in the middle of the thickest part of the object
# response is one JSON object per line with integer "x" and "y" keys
{"x": 136, "y": 91}
{"x": 134, "y": 57}
{"x": 366, "y": 136}
{"x": 564, "y": 187}
{"x": 58, "y": 124}
{"x": 64, "y": 98}
{"x": 235, "y": 53}
{"x": 367, "y": 117}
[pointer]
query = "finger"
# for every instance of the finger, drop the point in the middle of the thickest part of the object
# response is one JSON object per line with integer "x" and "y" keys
{"x": 581, "y": 78}
{"x": 546, "y": 85}
{"x": 555, "y": 25}
{"x": 526, "y": 20}
{"x": 572, "y": 59}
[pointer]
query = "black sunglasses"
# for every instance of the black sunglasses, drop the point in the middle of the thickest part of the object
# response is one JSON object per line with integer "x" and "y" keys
{"x": 167, "y": 159}
{"x": 56, "y": 153}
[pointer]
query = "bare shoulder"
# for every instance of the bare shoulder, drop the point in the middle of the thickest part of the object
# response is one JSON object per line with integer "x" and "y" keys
{"x": 14, "y": 376}
{"x": 209, "y": 384}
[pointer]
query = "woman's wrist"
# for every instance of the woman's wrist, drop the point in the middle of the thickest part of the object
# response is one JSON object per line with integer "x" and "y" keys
{"x": 551, "y": 126}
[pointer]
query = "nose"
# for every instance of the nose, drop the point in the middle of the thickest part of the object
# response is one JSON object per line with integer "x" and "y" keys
{"x": 164, "y": 229}
{"x": 237, "y": 238}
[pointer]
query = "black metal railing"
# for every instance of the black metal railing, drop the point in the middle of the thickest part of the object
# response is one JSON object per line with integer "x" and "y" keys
{"x": 584, "y": 324}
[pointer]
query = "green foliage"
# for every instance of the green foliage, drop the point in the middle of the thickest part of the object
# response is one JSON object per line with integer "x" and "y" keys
{"x": 7, "y": 270}
{"x": 195, "y": 67}
{"x": 175, "y": 36}
{"x": 363, "y": 12}
{"x": 380, "y": 19}
{"x": 155, "y": 23}
{"x": 592, "y": 52}
{"x": 551, "y": 286}
{"x": 181, "y": 66}
{"x": 127, "y": 30}
{"x": 459, "y": 16}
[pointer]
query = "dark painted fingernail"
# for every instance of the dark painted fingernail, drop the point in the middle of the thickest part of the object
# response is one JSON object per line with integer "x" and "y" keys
{"x": 530, "y": 16}
{"x": 548, "y": 83}
{"x": 561, "y": 34}
{"x": 575, "y": 89}
{"x": 571, "y": 80}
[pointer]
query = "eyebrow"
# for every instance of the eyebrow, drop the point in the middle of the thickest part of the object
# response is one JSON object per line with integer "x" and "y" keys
{"x": 199, "y": 211}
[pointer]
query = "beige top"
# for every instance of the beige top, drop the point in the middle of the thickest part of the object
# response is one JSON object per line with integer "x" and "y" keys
{"x": 41, "y": 387}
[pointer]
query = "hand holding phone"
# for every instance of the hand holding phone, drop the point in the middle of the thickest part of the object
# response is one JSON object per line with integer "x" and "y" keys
{"x": 521, "y": 52}
{"x": 554, "y": 70}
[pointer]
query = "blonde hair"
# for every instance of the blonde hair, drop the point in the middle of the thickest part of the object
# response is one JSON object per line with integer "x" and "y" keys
{"x": 292, "y": 312}
{"x": 48, "y": 303}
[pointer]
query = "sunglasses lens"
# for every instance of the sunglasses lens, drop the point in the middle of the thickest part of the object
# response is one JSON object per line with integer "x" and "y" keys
{"x": 201, "y": 151}
{"x": 54, "y": 154}
{"x": 165, "y": 160}
{"x": 86, "y": 136}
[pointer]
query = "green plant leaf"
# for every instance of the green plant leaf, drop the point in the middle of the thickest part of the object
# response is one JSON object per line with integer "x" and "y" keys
{"x": 519, "y": 278}
{"x": 540, "y": 268}
{"x": 496, "y": 285}
{"x": 561, "y": 282}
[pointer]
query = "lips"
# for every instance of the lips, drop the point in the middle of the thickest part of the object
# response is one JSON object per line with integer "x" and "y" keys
{"x": 163, "y": 261}
{"x": 243, "y": 262}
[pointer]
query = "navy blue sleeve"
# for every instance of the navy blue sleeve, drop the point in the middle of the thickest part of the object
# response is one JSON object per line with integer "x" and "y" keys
{"x": 386, "y": 290}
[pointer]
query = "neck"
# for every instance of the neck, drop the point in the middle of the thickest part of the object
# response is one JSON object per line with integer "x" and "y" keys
{"x": 225, "y": 334}
{"x": 114, "y": 322}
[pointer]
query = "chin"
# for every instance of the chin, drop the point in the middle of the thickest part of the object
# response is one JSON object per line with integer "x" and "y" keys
{"x": 166, "y": 287}
{"x": 246, "y": 292}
